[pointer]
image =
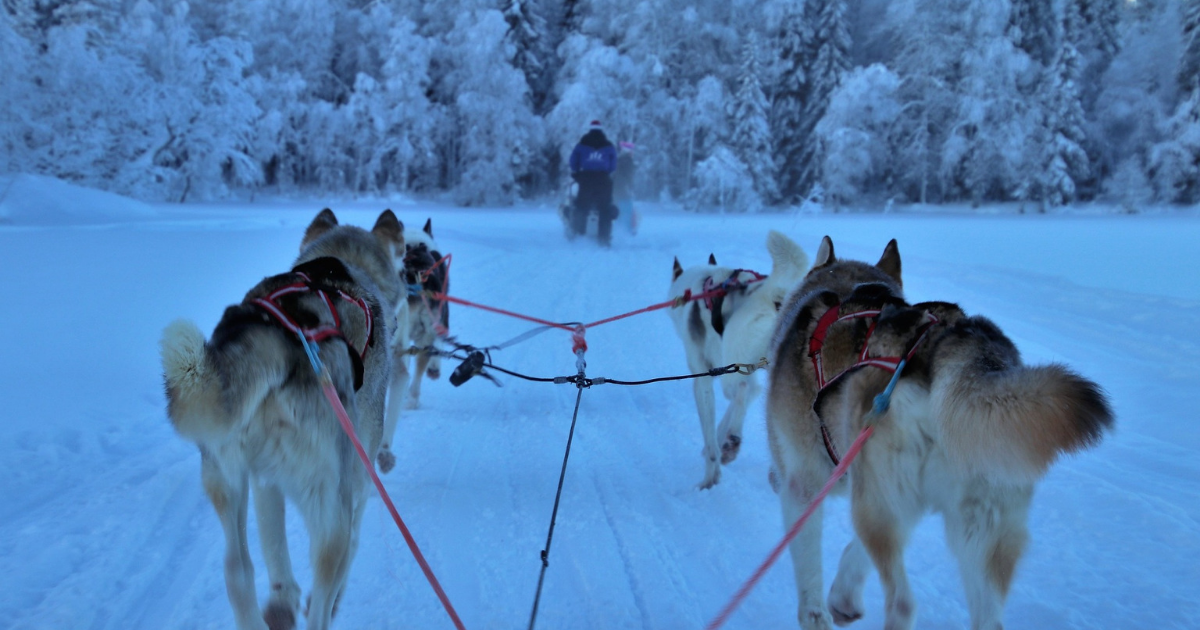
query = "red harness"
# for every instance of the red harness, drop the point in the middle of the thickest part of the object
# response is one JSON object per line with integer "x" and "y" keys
{"x": 271, "y": 305}
{"x": 889, "y": 364}
{"x": 734, "y": 281}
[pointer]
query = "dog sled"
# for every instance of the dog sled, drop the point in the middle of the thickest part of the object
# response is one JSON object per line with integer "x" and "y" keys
{"x": 626, "y": 215}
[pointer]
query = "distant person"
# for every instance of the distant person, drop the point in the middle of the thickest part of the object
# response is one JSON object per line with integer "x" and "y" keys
{"x": 623, "y": 186}
{"x": 592, "y": 163}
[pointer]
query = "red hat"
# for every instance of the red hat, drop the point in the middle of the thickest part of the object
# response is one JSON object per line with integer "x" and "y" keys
{"x": 595, "y": 124}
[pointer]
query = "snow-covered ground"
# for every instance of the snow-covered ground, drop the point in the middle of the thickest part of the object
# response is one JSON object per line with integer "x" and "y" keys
{"x": 103, "y": 523}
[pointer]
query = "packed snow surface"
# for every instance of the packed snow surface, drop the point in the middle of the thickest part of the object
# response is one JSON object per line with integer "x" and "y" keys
{"x": 104, "y": 524}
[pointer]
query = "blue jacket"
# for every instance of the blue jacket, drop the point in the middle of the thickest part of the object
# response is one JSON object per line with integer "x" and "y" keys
{"x": 594, "y": 153}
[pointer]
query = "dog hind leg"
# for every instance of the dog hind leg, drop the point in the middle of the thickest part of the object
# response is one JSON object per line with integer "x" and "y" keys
{"x": 355, "y": 527}
{"x": 329, "y": 523}
{"x": 284, "y": 601}
{"x": 396, "y": 395}
{"x": 419, "y": 369}
{"x": 988, "y": 538}
{"x": 805, "y": 550}
{"x": 739, "y": 389}
{"x": 846, "y": 594}
{"x": 702, "y": 389}
{"x": 434, "y": 371}
{"x": 884, "y": 532}
{"x": 230, "y": 498}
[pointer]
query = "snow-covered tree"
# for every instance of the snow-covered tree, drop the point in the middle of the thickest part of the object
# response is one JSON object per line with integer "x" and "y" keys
{"x": 984, "y": 154}
{"x": 206, "y": 114}
{"x": 15, "y": 85}
{"x": 406, "y": 155}
{"x": 751, "y": 139}
{"x": 1140, "y": 87}
{"x": 1100, "y": 27}
{"x": 1129, "y": 185}
{"x": 930, "y": 39}
{"x": 724, "y": 183}
{"x": 1033, "y": 26}
{"x": 170, "y": 100}
{"x": 92, "y": 108}
{"x": 1189, "y": 62}
{"x": 496, "y": 132}
{"x": 1064, "y": 162}
{"x": 532, "y": 55}
{"x": 791, "y": 92}
{"x": 830, "y": 61}
{"x": 1174, "y": 163}
{"x": 855, "y": 133}
{"x": 572, "y": 17}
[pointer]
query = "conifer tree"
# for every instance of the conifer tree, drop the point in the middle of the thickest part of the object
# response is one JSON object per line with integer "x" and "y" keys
{"x": 830, "y": 61}
{"x": 751, "y": 130}
{"x": 531, "y": 54}
{"x": 1189, "y": 62}
{"x": 794, "y": 46}
{"x": 1065, "y": 164}
{"x": 1033, "y": 28}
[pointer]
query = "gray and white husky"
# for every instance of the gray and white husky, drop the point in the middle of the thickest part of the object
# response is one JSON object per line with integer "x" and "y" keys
{"x": 250, "y": 399}
{"x": 969, "y": 430}
{"x": 732, "y": 328}
{"x": 420, "y": 319}
{"x": 424, "y": 266}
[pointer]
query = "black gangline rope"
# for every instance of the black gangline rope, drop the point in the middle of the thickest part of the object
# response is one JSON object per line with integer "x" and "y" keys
{"x": 600, "y": 380}
{"x": 554, "y": 513}
{"x": 581, "y": 382}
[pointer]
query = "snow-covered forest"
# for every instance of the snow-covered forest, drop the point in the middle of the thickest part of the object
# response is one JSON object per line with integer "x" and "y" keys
{"x": 734, "y": 104}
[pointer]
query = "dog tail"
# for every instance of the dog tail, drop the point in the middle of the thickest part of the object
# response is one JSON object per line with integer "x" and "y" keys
{"x": 1008, "y": 421}
{"x": 788, "y": 260}
{"x": 194, "y": 401}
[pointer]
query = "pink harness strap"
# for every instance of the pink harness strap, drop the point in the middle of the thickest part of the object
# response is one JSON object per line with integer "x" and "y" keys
{"x": 817, "y": 341}
{"x": 734, "y": 281}
{"x": 270, "y": 303}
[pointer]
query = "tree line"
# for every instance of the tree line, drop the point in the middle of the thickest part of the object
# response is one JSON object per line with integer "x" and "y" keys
{"x": 739, "y": 105}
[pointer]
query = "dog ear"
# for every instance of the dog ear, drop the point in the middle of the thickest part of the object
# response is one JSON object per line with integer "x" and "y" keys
{"x": 390, "y": 231}
{"x": 825, "y": 253}
{"x": 712, "y": 260}
{"x": 676, "y": 271}
{"x": 428, "y": 229}
{"x": 324, "y": 221}
{"x": 889, "y": 263}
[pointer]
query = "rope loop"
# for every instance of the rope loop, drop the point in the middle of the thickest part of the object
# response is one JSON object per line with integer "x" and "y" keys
{"x": 746, "y": 369}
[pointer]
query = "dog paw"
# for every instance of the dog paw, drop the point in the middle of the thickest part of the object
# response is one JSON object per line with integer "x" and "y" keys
{"x": 412, "y": 403}
{"x": 844, "y": 613}
{"x": 711, "y": 479}
{"x": 730, "y": 448}
{"x": 433, "y": 373}
{"x": 387, "y": 461}
{"x": 279, "y": 616}
{"x": 846, "y": 598}
{"x": 815, "y": 619}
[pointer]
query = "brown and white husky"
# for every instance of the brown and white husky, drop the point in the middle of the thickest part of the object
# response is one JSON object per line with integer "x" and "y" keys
{"x": 969, "y": 430}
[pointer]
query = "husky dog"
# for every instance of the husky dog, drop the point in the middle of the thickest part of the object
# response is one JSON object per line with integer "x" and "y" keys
{"x": 249, "y": 398}
{"x": 424, "y": 267}
{"x": 419, "y": 318}
{"x": 730, "y": 328}
{"x": 969, "y": 430}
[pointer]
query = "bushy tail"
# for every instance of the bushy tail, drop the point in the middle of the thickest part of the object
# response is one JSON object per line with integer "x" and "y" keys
{"x": 1011, "y": 424}
{"x": 194, "y": 401}
{"x": 788, "y": 260}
